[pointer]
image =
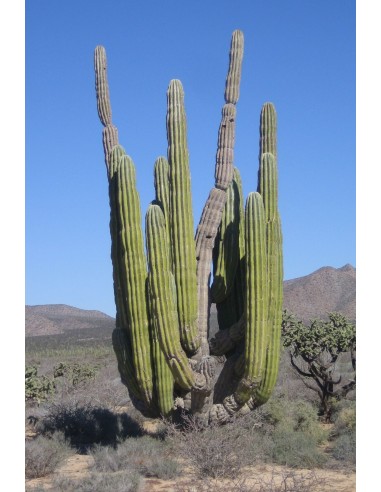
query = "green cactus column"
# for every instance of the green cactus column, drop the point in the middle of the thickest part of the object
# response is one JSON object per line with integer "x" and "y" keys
{"x": 181, "y": 218}
{"x": 268, "y": 185}
{"x": 130, "y": 265}
{"x": 256, "y": 296}
{"x": 162, "y": 290}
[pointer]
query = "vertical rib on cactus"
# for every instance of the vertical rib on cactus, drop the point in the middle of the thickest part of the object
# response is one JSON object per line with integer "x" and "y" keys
{"x": 110, "y": 132}
{"x": 235, "y": 67}
{"x": 162, "y": 192}
{"x": 101, "y": 86}
{"x": 223, "y": 174}
{"x": 163, "y": 379}
{"x": 183, "y": 247}
{"x": 256, "y": 296}
{"x": 267, "y": 128}
{"x": 226, "y": 247}
{"x": 163, "y": 299}
{"x": 132, "y": 268}
{"x": 268, "y": 186}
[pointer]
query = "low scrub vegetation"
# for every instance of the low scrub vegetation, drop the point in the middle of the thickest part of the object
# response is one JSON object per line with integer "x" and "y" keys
{"x": 43, "y": 455}
{"x": 89, "y": 412}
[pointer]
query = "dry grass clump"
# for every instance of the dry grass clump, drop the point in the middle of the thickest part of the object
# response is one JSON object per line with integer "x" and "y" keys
{"x": 43, "y": 455}
{"x": 126, "y": 481}
{"x": 146, "y": 455}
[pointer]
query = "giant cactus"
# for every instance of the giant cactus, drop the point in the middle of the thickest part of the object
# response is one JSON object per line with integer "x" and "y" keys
{"x": 166, "y": 356}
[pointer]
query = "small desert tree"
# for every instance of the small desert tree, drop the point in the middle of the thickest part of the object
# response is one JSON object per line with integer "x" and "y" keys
{"x": 314, "y": 353}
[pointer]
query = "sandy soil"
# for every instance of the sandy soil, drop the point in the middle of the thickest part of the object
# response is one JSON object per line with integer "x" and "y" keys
{"x": 78, "y": 466}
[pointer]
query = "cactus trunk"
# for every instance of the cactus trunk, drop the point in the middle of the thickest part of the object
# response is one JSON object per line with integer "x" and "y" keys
{"x": 166, "y": 356}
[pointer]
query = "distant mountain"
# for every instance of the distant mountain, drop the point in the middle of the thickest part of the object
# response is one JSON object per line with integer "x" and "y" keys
{"x": 54, "y": 319}
{"x": 325, "y": 290}
{"x": 313, "y": 296}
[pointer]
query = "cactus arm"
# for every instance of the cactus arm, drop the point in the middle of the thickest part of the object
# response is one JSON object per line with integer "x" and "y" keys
{"x": 181, "y": 218}
{"x": 225, "y": 251}
{"x": 256, "y": 296}
{"x": 162, "y": 190}
{"x": 110, "y": 132}
{"x": 212, "y": 212}
{"x": 101, "y": 86}
{"x": 163, "y": 379}
{"x": 164, "y": 301}
{"x": 132, "y": 269}
{"x": 268, "y": 186}
{"x": 235, "y": 67}
{"x": 268, "y": 131}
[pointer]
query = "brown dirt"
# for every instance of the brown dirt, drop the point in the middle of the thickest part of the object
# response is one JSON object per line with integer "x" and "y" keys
{"x": 78, "y": 466}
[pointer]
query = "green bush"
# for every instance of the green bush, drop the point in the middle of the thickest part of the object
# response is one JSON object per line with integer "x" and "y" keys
{"x": 295, "y": 416}
{"x": 344, "y": 432}
{"x": 75, "y": 374}
{"x": 344, "y": 448}
{"x": 296, "y": 449}
{"x": 37, "y": 388}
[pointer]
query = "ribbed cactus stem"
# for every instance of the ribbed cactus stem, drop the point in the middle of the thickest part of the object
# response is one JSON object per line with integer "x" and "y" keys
{"x": 101, "y": 86}
{"x": 120, "y": 289}
{"x": 110, "y": 132}
{"x": 163, "y": 298}
{"x": 226, "y": 248}
{"x": 132, "y": 269}
{"x": 268, "y": 130}
{"x": 256, "y": 296}
{"x": 268, "y": 186}
{"x": 182, "y": 225}
{"x": 162, "y": 193}
{"x": 110, "y": 140}
{"x": 163, "y": 379}
{"x": 235, "y": 68}
{"x": 122, "y": 348}
{"x": 225, "y": 148}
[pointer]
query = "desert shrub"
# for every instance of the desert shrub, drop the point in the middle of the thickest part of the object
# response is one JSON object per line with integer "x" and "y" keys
{"x": 344, "y": 432}
{"x": 290, "y": 434}
{"x": 43, "y": 455}
{"x": 294, "y": 415}
{"x": 37, "y": 388}
{"x": 296, "y": 449}
{"x": 126, "y": 481}
{"x": 71, "y": 376}
{"x": 344, "y": 448}
{"x": 85, "y": 424}
{"x": 290, "y": 481}
{"x": 344, "y": 417}
{"x": 214, "y": 451}
{"x": 147, "y": 455}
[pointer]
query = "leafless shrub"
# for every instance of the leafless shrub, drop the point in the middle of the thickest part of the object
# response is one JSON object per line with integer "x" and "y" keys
{"x": 126, "y": 481}
{"x": 43, "y": 455}
{"x": 146, "y": 455}
{"x": 289, "y": 481}
{"x": 214, "y": 451}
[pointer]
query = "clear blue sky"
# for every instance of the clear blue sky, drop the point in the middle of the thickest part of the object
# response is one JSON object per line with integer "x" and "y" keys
{"x": 300, "y": 55}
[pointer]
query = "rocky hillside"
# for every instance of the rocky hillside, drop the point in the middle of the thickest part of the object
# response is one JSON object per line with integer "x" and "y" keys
{"x": 326, "y": 290}
{"x": 313, "y": 296}
{"x": 54, "y": 319}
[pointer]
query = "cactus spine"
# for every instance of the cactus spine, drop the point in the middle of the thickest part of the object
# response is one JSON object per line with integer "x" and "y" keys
{"x": 165, "y": 354}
